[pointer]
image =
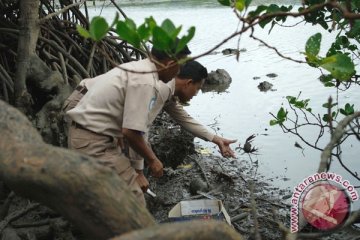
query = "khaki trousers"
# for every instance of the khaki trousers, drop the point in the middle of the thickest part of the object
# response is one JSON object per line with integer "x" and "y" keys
{"x": 107, "y": 151}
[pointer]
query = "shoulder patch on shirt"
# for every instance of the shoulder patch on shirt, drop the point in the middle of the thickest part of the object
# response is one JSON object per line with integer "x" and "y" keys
{"x": 152, "y": 102}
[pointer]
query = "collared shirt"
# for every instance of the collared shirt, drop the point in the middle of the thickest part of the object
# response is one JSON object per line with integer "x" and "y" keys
{"x": 120, "y": 99}
{"x": 177, "y": 112}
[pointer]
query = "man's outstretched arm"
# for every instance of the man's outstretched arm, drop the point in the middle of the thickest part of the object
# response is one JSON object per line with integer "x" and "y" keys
{"x": 177, "y": 112}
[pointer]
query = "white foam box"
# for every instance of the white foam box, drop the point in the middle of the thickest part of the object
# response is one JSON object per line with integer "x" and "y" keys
{"x": 203, "y": 209}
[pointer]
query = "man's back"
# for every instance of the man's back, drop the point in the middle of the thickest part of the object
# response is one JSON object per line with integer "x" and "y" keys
{"x": 116, "y": 98}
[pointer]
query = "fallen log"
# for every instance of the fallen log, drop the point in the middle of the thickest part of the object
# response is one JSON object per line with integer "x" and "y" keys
{"x": 192, "y": 230}
{"x": 88, "y": 194}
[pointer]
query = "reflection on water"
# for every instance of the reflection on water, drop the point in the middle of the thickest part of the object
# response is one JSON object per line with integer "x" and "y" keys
{"x": 242, "y": 109}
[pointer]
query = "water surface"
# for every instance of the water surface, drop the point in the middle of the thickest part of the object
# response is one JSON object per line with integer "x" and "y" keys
{"x": 242, "y": 109}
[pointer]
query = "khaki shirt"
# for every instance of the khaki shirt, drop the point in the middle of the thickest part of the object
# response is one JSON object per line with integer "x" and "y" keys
{"x": 177, "y": 112}
{"x": 121, "y": 99}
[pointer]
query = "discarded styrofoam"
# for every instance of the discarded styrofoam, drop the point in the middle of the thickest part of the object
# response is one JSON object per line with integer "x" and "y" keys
{"x": 204, "y": 209}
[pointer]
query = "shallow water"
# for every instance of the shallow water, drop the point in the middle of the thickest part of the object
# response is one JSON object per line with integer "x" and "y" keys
{"x": 242, "y": 109}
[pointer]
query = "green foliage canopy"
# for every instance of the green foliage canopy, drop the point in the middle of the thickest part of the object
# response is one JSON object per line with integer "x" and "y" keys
{"x": 163, "y": 37}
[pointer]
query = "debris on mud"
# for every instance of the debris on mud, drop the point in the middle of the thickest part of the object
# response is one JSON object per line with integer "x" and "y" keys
{"x": 231, "y": 181}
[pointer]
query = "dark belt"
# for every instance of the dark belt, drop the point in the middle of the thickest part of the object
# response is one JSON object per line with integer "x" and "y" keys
{"x": 81, "y": 89}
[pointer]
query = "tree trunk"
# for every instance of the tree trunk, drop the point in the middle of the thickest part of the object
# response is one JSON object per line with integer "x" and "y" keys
{"x": 29, "y": 32}
{"x": 193, "y": 230}
{"x": 90, "y": 195}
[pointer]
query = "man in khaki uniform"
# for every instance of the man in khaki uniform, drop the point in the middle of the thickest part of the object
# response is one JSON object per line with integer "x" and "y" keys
{"x": 117, "y": 106}
{"x": 183, "y": 88}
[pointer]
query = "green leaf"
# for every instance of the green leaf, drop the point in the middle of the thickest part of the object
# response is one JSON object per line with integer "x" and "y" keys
{"x": 329, "y": 84}
{"x": 281, "y": 115}
{"x": 82, "y": 31}
{"x": 348, "y": 110}
{"x": 225, "y": 2}
{"x": 339, "y": 65}
{"x": 146, "y": 28}
{"x": 273, "y": 122}
{"x": 342, "y": 111}
{"x": 323, "y": 24}
{"x": 130, "y": 23}
{"x": 168, "y": 26}
{"x": 161, "y": 40}
{"x": 355, "y": 3}
{"x": 175, "y": 33}
{"x": 98, "y": 28}
{"x": 247, "y": 3}
{"x": 326, "y": 118}
{"x": 311, "y": 2}
{"x": 344, "y": 41}
{"x": 352, "y": 47}
{"x": 116, "y": 19}
{"x": 326, "y": 105}
{"x": 128, "y": 34}
{"x": 264, "y": 22}
{"x": 312, "y": 46}
{"x": 257, "y": 11}
{"x": 355, "y": 30}
{"x": 150, "y": 21}
{"x": 291, "y": 99}
{"x": 299, "y": 104}
{"x": 272, "y": 26}
{"x": 273, "y": 8}
{"x": 240, "y": 5}
{"x": 185, "y": 39}
{"x": 326, "y": 78}
{"x": 144, "y": 32}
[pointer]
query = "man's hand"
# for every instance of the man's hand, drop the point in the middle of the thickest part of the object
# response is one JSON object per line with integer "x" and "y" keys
{"x": 224, "y": 146}
{"x": 142, "y": 181}
{"x": 138, "y": 144}
{"x": 156, "y": 168}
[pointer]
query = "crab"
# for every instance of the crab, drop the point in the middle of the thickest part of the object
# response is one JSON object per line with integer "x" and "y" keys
{"x": 247, "y": 146}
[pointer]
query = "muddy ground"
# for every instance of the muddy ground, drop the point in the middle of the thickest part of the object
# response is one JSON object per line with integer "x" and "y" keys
{"x": 229, "y": 180}
{"x": 191, "y": 172}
